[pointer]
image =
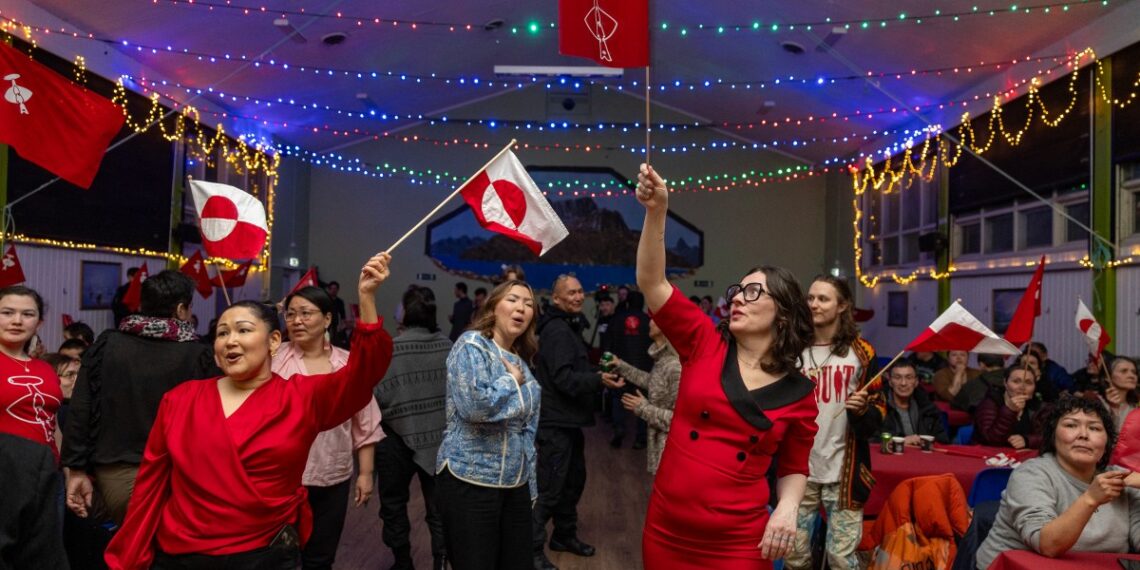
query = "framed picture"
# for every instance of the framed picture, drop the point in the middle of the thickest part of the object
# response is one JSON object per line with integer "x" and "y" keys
{"x": 898, "y": 303}
{"x": 98, "y": 281}
{"x": 1005, "y": 304}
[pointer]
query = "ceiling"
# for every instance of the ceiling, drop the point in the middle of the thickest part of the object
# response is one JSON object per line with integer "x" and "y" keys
{"x": 313, "y": 110}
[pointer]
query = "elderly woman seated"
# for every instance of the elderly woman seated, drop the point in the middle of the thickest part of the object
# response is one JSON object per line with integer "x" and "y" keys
{"x": 1011, "y": 416}
{"x": 1066, "y": 499}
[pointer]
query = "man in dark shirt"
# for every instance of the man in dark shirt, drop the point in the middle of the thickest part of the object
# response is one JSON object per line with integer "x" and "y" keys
{"x": 339, "y": 327}
{"x": 461, "y": 312}
{"x": 119, "y": 309}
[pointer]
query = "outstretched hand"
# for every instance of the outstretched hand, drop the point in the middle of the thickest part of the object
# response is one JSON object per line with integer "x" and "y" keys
{"x": 374, "y": 272}
{"x": 651, "y": 189}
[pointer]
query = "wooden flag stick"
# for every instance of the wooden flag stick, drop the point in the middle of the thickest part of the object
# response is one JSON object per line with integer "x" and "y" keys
{"x": 648, "y": 126}
{"x": 222, "y": 280}
{"x": 863, "y": 390}
{"x": 448, "y": 199}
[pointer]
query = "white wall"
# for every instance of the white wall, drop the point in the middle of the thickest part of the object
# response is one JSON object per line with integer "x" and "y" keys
{"x": 1128, "y": 310}
{"x": 922, "y": 309}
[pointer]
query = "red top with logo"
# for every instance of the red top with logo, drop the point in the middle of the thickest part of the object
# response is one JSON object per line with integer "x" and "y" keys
{"x": 29, "y": 400}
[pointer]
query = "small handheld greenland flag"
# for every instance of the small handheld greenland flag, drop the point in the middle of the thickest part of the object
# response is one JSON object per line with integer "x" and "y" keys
{"x": 1095, "y": 335}
{"x": 505, "y": 200}
{"x": 957, "y": 329}
{"x": 232, "y": 221}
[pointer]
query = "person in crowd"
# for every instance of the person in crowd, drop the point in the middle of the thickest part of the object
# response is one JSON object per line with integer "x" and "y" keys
{"x": 411, "y": 399}
{"x": 342, "y": 319}
{"x": 708, "y": 307}
{"x": 67, "y": 369}
{"x": 328, "y": 471}
{"x": 122, "y": 379}
{"x": 81, "y": 331}
{"x": 119, "y": 310}
{"x": 741, "y": 402}
{"x": 513, "y": 273}
{"x": 949, "y": 381}
{"x": 629, "y": 341}
{"x": 1051, "y": 372}
{"x": 840, "y": 363}
{"x": 927, "y": 364}
{"x": 1011, "y": 416}
{"x": 569, "y": 388}
{"x": 73, "y": 347}
{"x": 220, "y": 483}
{"x": 910, "y": 413}
{"x": 1120, "y": 396}
{"x": 991, "y": 375}
{"x": 485, "y": 469}
{"x": 1065, "y": 500}
{"x": 1045, "y": 391}
{"x": 480, "y": 298}
{"x": 36, "y": 348}
{"x": 1091, "y": 380}
{"x": 30, "y": 396}
{"x": 606, "y": 308}
{"x": 461, "y": 312}
{"x": 660, "y": 383}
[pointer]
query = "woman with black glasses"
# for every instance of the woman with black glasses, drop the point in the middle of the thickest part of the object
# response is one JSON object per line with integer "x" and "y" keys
{"x": 741, "y": 402}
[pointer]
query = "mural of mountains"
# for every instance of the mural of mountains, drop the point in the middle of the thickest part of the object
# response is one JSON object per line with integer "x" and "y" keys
{"x": 597, "y": 237}
{"x": 456, "y": 246}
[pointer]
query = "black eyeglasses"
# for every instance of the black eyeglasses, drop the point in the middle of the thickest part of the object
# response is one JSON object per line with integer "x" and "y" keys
{"x": 752, "y": 291}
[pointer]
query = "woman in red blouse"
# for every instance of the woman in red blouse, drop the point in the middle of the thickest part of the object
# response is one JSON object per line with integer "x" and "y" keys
{"x": 741, "y": 402}
{"x": 220, "y": 483}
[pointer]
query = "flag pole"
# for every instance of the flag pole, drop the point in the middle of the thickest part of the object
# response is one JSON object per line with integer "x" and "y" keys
{"x": 648, "y": 126}
{"x": 222, "y": 280}
{"x": 863, "y": 390}
{"x": 448, "y": 199}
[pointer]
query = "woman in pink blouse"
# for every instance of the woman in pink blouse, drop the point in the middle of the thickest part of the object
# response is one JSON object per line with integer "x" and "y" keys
{"x": 328, "y": 473}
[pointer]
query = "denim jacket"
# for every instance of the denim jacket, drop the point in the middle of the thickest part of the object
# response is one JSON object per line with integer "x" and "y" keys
{"x": 491, "y": 419}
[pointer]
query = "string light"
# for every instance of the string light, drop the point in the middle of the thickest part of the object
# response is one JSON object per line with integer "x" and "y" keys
{"x": 133, "y": 252}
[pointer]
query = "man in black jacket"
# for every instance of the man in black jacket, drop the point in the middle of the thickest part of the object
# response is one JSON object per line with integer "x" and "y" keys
{"x": 29, "y": 515}
{"x": 569, "y": 388}
{"x": 910, "y": 413}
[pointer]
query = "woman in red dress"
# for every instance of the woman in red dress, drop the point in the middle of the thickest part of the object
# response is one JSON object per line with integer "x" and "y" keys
{"x": 741, "y": 402}
{"x": 220, "y": 482}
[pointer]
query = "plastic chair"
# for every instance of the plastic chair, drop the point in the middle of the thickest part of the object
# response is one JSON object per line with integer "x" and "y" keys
{"x": 964, "y": 435}
{"x": 988, "y": 485}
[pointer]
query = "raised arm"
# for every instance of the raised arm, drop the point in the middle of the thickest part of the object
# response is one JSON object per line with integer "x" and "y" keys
{"x": 652, "y": 194}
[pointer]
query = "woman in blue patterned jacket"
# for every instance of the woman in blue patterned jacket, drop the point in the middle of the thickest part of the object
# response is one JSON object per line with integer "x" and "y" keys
{"x": 485, "y": 465}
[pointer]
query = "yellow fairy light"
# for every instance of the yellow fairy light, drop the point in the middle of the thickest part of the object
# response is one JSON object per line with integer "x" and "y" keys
{"x": 135, "y": 252}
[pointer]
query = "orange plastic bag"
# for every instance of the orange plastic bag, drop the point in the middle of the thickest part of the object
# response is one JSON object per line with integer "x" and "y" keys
{"x": 907, "y": 549}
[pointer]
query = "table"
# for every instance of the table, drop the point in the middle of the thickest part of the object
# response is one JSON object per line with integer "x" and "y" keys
{"x": 962, "y": 461}
{"x": 956, "y": 418}
{"x": 1028, "y": 560}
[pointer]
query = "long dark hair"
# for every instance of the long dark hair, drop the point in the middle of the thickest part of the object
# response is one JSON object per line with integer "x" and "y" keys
{"x": 1068, "y": 405}
{"x": 526, "y": 345}
{"x": 848, "y": 331}
{"x": 793, "y": 320}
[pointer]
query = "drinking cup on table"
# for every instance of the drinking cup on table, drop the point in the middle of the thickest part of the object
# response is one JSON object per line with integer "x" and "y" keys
{"x": 897, "y": 445}
{"x": 927, "y": 442}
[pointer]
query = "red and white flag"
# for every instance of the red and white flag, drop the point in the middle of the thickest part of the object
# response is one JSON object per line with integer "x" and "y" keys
{"x": 133, "y": 297}
{"x": 614, "y": 33}
{"x": 11, "y": 272}
{"x": 506, "y": 200}
{"x": 63, "y": 128}
{"x": 957, "y": 329}
{"x": 1094, "y": 334}
{"x": 68, "y": 320}
{"x": 195, "y": 268}
{"x": 309, "y": 279}
{"x": 232, "y": 220}
{"x": 1020, "y": 329}
{"x": 233, "y": 277}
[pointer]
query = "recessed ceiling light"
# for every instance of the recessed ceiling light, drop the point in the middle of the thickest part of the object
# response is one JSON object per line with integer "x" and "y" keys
{"x": 334, "y": 39}
{"x": 792, "y": 47}
{"x": 493, "y": 25}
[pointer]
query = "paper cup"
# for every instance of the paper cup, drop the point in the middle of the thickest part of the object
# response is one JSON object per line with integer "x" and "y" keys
{"x": 927, "y": 443}
{"x": 897, "y": 445}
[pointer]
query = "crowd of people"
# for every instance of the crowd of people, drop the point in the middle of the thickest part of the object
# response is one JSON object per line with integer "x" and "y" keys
{"x": 758, "y": 416}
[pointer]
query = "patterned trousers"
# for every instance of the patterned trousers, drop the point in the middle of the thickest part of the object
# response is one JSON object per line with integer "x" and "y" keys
{"x": 844, "y": 530}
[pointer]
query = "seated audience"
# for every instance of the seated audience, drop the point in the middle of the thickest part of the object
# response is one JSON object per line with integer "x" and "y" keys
{"x": 1010, "y": 416}
{"x": 1065, "y": 500}
{"x": 927, "y": 364}
{"x": 1120, "y": 396}
{"x": 1091, "y": 380}
{"x": 950, "y": 380}
{"x": 1046, "y": 391}
{"x": 991, "y": 374}
{"x": 910, "y": 413}
{"x": 1052, "y": 372}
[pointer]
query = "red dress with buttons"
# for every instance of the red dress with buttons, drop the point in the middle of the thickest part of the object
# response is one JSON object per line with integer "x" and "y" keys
{"x": 709, "y": 503}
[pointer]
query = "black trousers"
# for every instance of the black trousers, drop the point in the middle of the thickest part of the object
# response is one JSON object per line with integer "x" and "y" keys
{"x": 485, "y": 528}
{"x": 561, "y": 480}
{"x": 330, "y": 505}
{"x": 394, "y": 471}
{"x": 265, "y": 558}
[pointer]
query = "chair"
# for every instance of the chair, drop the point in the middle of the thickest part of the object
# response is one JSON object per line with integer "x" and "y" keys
{"x": 964, "y": 435}
{"x": 988, "y": 485}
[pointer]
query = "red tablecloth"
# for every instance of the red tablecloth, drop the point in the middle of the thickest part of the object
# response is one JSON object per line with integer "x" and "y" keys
{"x": 1027, "y": 560}
{"x": 962, "y": 461}
{"x": 957, "y": 418}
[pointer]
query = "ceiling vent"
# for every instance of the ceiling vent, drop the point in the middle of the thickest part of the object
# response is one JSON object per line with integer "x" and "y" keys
{"x": 334, "y": 39}
{"x": 792, "y": 47}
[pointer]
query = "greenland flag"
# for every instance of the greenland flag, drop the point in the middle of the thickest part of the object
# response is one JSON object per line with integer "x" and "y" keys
{"x": 232, "y": 221}
{"x": 957, "y": 329}
{"x": 507, "y": 201}
{"x": 1094, "y": 334}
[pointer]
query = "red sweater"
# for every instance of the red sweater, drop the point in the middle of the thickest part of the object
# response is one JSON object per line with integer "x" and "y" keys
{"x": 214, "y": 485}
{"x": 29, "y": 401}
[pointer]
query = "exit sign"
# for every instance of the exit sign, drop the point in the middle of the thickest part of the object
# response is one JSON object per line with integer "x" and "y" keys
{"x": 425, "y": 276}
{"x": 702, "y": 283}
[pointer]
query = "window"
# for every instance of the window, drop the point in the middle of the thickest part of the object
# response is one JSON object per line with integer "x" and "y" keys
{"x": 891, "y": 251}
{"x": 971, "y": 238}
{"x": 912, "y": 209}
{"x": 910, "y": 252}
{"x": 1073, "y": 232}
{"x": 891, "y": 216}
{"x": 930, "y": 203}
{"x": 999, "y": 233}
{"x": 1038, "y": 224}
